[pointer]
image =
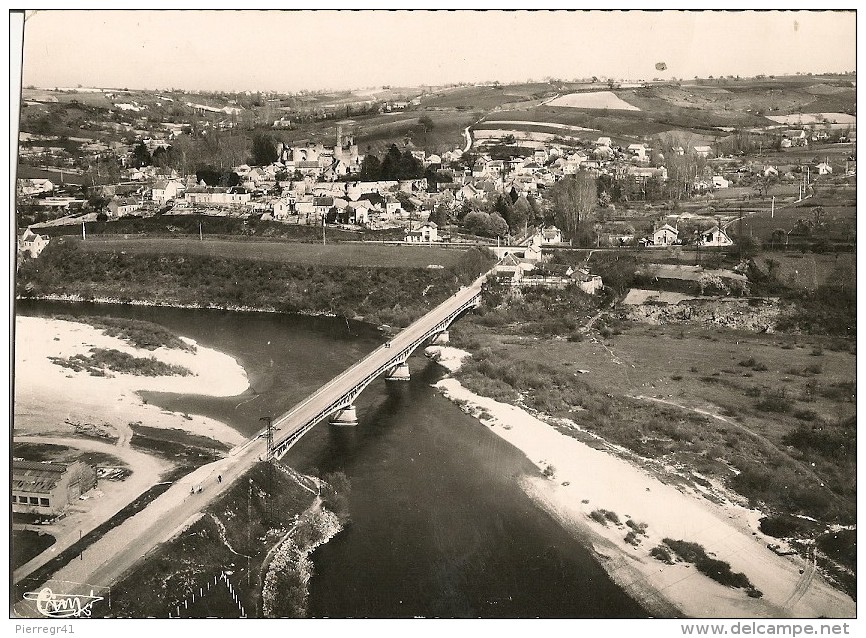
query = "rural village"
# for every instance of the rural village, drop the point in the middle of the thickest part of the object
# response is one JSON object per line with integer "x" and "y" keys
{"x": 653, "y": 278}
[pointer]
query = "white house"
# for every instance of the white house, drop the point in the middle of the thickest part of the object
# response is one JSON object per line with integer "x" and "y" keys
{"x": 638, "y": 150}
{"x": 715, "y": 237}
{"x": 824, "y": 168}
{"x": 282, "y": 208}
{"x": 551, "y": 235}
{"x": 31, "y": 243}
{"x": 164, "y": 190}
{"x": 603, "y": 141}
{"x": 703, "y": 151}
{"x": 35, "y": 186}
{"x": 665, "y": 236}
{"x": 426, "y": 234}
{"x": 720, "y": 182}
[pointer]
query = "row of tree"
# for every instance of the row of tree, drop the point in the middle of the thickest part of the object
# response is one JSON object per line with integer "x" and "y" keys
{"x": 395, "y": 165}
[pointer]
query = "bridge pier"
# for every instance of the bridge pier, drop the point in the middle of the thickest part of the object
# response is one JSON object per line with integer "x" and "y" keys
{"x": 442, "y": 339}
{"x": 399, "y": 373}
{"x": 346, "y": 416}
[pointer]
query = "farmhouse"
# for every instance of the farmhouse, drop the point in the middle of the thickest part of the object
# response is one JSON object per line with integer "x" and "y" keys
{"x": 703, "y": 151}
{"x": 665, "y": 236}
{"x": 794, "y": 137}
{"x": 47, "y": 488}
{"x": 715, "y": 237}
{"x": 720, "y": 182}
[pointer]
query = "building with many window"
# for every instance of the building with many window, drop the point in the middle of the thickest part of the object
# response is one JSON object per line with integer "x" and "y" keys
{"x": 47, "y": 488}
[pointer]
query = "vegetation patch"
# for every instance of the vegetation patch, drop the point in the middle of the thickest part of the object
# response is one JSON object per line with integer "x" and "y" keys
{"x": 718, "y": 570}
{"x": 266, "y": 514}
{"x": 137, "y": 333}
{"x": 392, "y": 295}
{"x": 101, "y": 359}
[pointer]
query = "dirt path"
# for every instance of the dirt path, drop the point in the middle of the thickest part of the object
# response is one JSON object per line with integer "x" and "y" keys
{"x": 84, "y": 516}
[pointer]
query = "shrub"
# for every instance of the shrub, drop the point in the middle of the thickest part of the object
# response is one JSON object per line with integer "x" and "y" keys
{"x": 774, "y": 401}
{"x": 549, "y": 471}
{"x": 598, "y": 517}
{"x": 718, "y": 570}
{"x": 815, "y": 368}
{"x": 663, "y": 554}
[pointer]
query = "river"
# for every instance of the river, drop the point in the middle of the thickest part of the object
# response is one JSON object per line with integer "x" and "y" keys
{"x": 439, "y": 525}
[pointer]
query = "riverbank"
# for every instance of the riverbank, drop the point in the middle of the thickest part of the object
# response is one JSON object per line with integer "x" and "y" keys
{"x": 51, "y": 399}
{"x": 583, "y": 480}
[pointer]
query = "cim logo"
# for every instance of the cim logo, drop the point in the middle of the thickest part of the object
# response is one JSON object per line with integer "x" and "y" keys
{"x": 62, "y": 605}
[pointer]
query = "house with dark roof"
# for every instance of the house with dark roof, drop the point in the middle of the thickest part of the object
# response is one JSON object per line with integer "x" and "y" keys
{"x": 47, "y": 488}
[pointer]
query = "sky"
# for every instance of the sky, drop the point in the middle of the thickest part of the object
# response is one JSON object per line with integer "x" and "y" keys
{"x": 290, "y": 51}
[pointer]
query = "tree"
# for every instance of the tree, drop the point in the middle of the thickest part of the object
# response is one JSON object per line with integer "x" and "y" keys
{"x": 819, "y": 215}
{"x": 264, "y": 150}
{"x": 441, "y": 215}
{"x": 574, "y": 198}
{"x": 426, "y": 123}
{"x": 140, "y": 154}
{"x": 477, "y": 222}
{"x": 496, "y": 226}
{"x": 371, "y": 168}
{"x": 778, "y": 237}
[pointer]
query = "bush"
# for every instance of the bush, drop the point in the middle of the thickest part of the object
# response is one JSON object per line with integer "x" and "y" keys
{"x": 774, "y": 401}
{"x": 718, "y": 570}
{"x": 598, "y": 517}
{"x": 101, "y": 359}
{"x": 663, "y": 554}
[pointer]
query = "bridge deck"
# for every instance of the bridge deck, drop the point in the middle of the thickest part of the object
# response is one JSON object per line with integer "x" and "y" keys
{"x": 342, "y": 389}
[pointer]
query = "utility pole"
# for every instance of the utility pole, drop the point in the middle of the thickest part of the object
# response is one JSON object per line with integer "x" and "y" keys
{"x": 773, "y": 207}
{"x": 200, "y": 236}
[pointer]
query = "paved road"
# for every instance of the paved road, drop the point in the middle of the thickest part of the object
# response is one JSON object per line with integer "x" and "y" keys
{"x": 104, "y": 562}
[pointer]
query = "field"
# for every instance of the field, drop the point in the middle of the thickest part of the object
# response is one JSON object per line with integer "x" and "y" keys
{"x": 593, "y": 100}
{"x": 813, "y": 118}
{"x": 808, "y": 271}
{"x": 375, "y": 133}
{"x": 840, "y": 219}
{"x": 487, "y": 97}
{"x": 381, "y": 256}
{"x": 702, "y": 401}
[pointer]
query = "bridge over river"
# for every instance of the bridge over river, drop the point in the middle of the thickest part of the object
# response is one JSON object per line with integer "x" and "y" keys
{"x": 107, "y": 559}
{"x": 336, "y": 398}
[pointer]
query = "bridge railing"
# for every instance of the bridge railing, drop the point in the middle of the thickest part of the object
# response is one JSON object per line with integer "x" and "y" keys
{"x": 398, "y": 358}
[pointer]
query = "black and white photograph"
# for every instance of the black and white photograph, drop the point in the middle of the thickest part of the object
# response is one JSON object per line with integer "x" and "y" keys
{"x": 426, "y": 314}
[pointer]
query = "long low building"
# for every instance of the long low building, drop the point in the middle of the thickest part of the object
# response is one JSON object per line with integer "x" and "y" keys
{"x": 47, "y": 488}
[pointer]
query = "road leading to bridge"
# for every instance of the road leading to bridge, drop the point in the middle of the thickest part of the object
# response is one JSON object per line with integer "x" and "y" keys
{"x": 104, "y": 562}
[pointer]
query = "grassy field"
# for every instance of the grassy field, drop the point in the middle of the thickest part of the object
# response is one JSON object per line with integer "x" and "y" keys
{"x": 840, "y": 219}
{"x": 807, "y": 271}
{"x": 371, "y": 255}
{"x": 654, "y": 390}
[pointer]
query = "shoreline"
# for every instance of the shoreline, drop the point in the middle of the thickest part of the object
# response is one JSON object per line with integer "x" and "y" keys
{"x": 109, "y": 301}
{"x": 580, "y": 479}
{"x": 108, "y": 405}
